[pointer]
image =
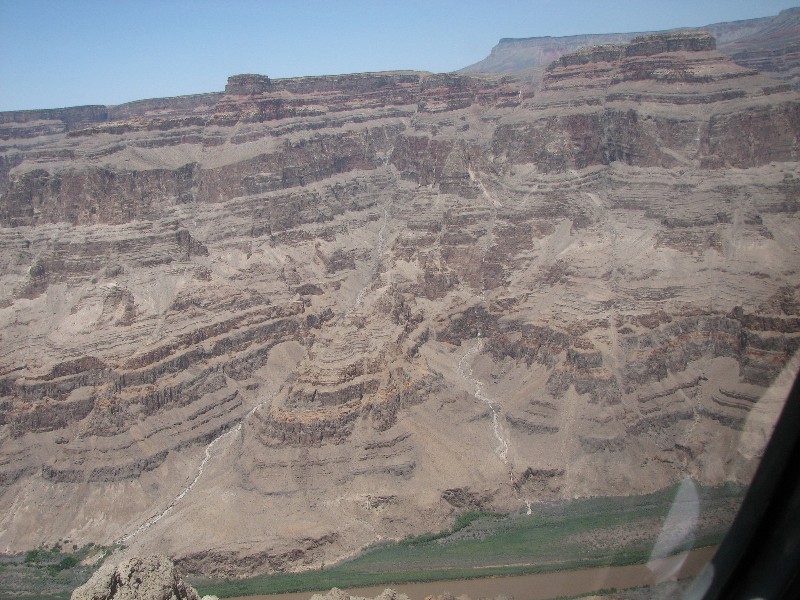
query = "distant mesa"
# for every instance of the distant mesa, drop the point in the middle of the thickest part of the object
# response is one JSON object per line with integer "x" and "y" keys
{"x": 767, "y": 44}
{"x": 247, "y": 84}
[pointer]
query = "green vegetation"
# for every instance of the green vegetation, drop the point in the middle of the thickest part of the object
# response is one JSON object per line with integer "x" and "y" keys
{"x": 557, "y": 536}
{"x": 49, "y": 573}
{"x": 462, "y": 521}
{"x": 566, "y": 535}
{"x": 68, "y": 562}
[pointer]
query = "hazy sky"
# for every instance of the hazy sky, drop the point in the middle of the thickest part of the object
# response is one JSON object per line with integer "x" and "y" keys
{"x": 57, "y": 53}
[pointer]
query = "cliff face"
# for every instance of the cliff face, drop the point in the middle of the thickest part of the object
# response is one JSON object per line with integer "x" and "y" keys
{"x": 258, "y": 330}
{"x": 769, "y": 44}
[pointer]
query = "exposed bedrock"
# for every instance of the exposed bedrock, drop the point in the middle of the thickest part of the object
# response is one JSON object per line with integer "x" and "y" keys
{"x": 768, "y": 44}
{"x": 595, "y": 134}
{"x": 247, "y": 84}
{"x": 262, "y": 329}
{"x": 153, "y": 577}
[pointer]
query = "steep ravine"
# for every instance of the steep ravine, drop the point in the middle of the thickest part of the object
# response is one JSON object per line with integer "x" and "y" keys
{"x": 503, "y": 441}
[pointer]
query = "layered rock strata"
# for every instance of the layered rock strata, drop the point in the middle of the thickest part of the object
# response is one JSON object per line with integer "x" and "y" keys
{"x": 259, "y": 330}
{"x": 768, "y": 44}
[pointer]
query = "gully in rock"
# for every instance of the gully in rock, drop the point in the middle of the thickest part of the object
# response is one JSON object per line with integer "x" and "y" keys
{"x": 466, "y": 372}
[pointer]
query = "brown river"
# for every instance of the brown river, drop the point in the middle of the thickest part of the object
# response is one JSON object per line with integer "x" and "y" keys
{"x": 542, "y": 586}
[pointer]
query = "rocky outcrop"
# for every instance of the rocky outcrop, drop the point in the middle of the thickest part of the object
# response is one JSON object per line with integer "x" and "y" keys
{"x": 148, "y": 578}
{"x": 230, "y": 563}
{"x": 243, "y": 85}
{"x": 690, "y": 41}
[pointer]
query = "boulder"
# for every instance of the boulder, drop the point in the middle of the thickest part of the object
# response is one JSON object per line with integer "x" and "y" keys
{"x": 150, "y": 578}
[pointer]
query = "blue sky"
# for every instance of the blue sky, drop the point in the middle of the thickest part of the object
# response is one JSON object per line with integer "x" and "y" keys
{"x": 57, "y": 53}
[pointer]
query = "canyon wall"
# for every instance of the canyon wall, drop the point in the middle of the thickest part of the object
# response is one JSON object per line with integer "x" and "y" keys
{"x": 258, "y": 330}
{"x": 767, "y": 44}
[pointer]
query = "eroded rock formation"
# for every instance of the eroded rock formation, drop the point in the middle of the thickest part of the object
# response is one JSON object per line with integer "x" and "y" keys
{"x": 768, "y": 44}
{"x": 148, "y": 578}
{"x": 259, "y": 330}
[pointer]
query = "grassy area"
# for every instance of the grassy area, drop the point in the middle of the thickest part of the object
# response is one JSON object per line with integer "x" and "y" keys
{"x": 567, "y": 535}
{"x": 48, "y": 573}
